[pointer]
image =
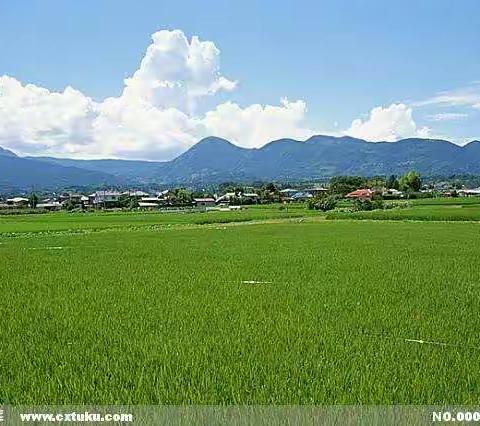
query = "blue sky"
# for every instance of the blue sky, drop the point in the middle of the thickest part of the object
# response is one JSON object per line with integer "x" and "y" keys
{"x": 341, "y": 58}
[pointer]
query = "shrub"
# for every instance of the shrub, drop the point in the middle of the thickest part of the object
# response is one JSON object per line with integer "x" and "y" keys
{"x": 367, "y": 205}
{"x": 323, "y": 204}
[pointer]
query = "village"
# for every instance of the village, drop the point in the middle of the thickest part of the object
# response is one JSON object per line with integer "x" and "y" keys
{"x": 235, "y": 197}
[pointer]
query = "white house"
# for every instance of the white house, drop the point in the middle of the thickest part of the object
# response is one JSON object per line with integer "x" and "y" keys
{"x": 18, "y": 202}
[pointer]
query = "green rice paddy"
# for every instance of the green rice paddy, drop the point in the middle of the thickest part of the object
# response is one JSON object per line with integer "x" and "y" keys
{"x": 291, "y": 312}
{"x": 433, "y": 209}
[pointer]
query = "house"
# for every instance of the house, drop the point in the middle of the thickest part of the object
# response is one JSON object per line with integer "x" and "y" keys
{"x": 392, "y": 193}
{"x": 136, "y": 194}
{"x": 301, "y": 196}
{"x": 249, "y": 196}
{"x": 49, "y": 205}
{"x": 104, "y": 197}
{"x": 360, "y": 194}
{"x": 149, "y": 202}
{"x": 288, "y": 192}
{"x": 71, "y": 197}
{"x": 225, "y": 199}
{"x": 204, "y": 203}
{"x": 469, "y": 192}
{"x": 317, "y": 190}
{"x": 18, "y": 202}
{"x": 84, "y": 200}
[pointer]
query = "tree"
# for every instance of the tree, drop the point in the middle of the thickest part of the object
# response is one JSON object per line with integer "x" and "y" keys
{"x": 183, "y": 197}
{"x": 270, "y": 187}
{"x": 342, "y": 185}
{"x": 124, "y": 200}
{"x": 33, "y": 200}
{"x": 392, "y": 182}
{"x": 410, "y": 182}
{"x": 133, "y": 203}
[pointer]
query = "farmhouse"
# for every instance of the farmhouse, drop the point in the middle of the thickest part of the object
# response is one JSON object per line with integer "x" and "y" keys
{"x": 391, "y": 192}
{"x": 249, "y": 196}
{"x": 203, "y": 203}
{"x": 17, "y": 202}
{"x": 360, "y": 194}
{"x": 135, "y": 193}
{"x": 49, "y": 204}
{"x": 469, "y": 192}
{"x": 290, "y": 194}
{"x": 104, "y": 197}
{"x": 317, "y": 190}
{"x": 149, "y": 202}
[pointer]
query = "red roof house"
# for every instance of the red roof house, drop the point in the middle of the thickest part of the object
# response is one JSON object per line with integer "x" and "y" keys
{"x": 361, "y": 194}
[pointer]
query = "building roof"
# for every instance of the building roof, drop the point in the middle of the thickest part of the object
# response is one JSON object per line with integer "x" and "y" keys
{"x": 204, "y": 200}
{"x": 136, "y": 193}
{"x": 360, "y": 193}
{"x": 106, "y": 193}
{"x": 475, "y": 191}
{"x": 393, "y": 191}
{"x": 300, "y": 194}
{"x": 316, "y": 188}
{"x": 17, "y": 199}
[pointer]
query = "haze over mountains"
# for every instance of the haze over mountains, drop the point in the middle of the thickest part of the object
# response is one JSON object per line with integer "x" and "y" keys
{"x": 215, "y": 160}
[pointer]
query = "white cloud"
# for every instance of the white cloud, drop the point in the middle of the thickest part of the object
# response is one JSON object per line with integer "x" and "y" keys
{"x": 387, "y": 124}
{"x": 33, "y": 119}
{"x": 255, "y": 125}
{"x": 161, "y": 111}
{"x": 153, "y": 118}
{"x": 157, "y": 116}
{"x": 175, "y": 73}
{"x": 448, "y": 116}
{"x": 466, "y": 96}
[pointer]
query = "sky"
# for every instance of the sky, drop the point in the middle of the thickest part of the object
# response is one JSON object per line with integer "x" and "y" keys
{"x": 148, "y": 79}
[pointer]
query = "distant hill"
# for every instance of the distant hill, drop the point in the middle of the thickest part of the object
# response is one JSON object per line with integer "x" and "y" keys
{"x": 217, "y": 160}
{"x": 214, "y": 160}
{"x": 126, "y": 170}
{"x": 24, "y": 173}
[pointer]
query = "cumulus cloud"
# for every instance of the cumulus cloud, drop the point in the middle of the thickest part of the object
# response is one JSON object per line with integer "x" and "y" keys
{"x": 174, "y": 72}
{"x": 158, "y": 115}
{"x": 162, "y": 111}
{"x": 387, "y": 124}
{"x": 154, "y": 117}
{"x": 33, "y": 119}
{"x": 255, "y": 125}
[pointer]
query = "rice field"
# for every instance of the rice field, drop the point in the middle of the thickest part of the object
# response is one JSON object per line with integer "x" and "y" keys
{"x": 433, "y": 209}
{"x": 326, "y": 312}
{"x": 64, "y": 221}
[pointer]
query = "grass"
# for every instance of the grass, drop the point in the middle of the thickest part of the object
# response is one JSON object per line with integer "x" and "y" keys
{"x": 163, "y": 317}
{"x": 430, "y": 209}
{"x": 64, "y": 221}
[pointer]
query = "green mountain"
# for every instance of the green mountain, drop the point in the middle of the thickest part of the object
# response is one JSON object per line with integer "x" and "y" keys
{"x": 214, "y": 160}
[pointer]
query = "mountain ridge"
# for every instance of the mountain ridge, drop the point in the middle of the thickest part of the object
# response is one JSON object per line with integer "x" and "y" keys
{"x": 214, "y": 160}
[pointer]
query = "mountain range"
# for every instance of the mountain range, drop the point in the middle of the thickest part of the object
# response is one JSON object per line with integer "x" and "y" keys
{"x": 215, "y": 160}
